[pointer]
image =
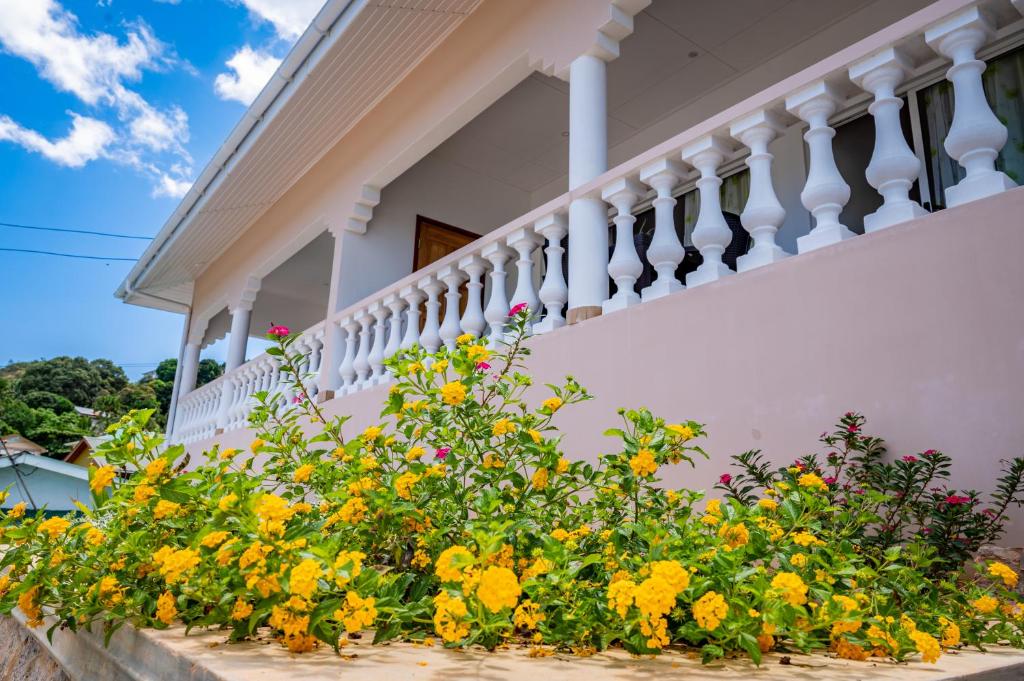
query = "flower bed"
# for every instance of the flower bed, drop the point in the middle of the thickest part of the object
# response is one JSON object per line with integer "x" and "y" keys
{"x": 458, "y": 521}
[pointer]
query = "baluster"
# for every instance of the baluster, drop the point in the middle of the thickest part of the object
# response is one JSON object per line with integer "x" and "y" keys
{"x": 315, "y": 358}
{"x": 763, "y": 214}
{"x": 347, "y": 370}
{"x": 893, "y": 167}
{"x": 711, "y": 235}
{"x": 395, "y": 306}
{"x": 362, "y": 361}
{"x": 412, "y": 297}
{"x": 473, "y": 318}
{"x": 450, "y": 329}
{"x": 524, "y": 241}
{"x": 376, "y": 358}
{"x": 825, "y": 192}
{"x": 496, "y": 313}
{"x": 976, "y": 135}
{"x": 624, "y": 267}
{"x": 430, "y": 339}
{"x": 665, "y": 252}
{"x": 553, "y": 292}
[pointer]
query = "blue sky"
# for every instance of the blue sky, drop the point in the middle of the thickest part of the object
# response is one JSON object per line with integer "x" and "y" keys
{"x": 109, "y": 109}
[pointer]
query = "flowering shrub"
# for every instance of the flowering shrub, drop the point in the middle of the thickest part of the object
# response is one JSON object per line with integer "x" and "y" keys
{"x": 458, "y": 517}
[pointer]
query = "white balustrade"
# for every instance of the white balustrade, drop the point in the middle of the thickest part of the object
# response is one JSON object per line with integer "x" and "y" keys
{"x": 894, "y": 166}
{"x": 624, "y": 267}
{"x": 763, "y": 214}
{"x": 430, "y": 339}
{"x": 711, "y": 234}
{"x": 976, "y": 135}
{"x": 554, "y": 292}
{"x": 395, "y": 306}
{"x": 665, "y": 252}
{"x": 376, "y": 357}
{"x": 362, "y": 360}
{"x": 496, "y": 313}
{"x": 451, "y": 329}
{"x": 825, "y": 192}
{"x": 347, "y": 370}
{"x": 524, "y": 242}
{"x": 412, "y": 297}
{"x": 473, "y": 320}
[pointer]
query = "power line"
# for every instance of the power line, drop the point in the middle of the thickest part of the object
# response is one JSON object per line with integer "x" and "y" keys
{"x": 75, "y": 231}
{"x": 65, "y": 255}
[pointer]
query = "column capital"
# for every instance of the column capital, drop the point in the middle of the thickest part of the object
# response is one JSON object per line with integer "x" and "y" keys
{"x": 710, "y": 147}
{"x": 887, "y": 69}
{"x": 246, "y": 297}
{"x": 972, "y": 27}
{"x": 761, "y": 123}
{"x": 816, "y": 98}
{"x": 664, "y": 170}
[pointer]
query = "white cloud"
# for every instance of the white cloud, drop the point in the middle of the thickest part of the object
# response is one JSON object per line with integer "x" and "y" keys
{"x": 87, "y": 140}
{"x": 96, "y": 68}
{"x": 170, "y": 186}
{"x": 289, "y": 17}
{"x": 252, "y": 70}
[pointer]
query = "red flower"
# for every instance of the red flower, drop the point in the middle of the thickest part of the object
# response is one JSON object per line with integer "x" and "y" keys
{"x": 954, "y": 500}
{"x": 910, "y": 458}
{"x": 279, "y": 331}
{"x": 516, "y": 309}
{"x": 442, "y": 452}
{"x": 853, "y": 429}
{"x": 830, "y": 480}
{"x": 482, "y": 366}
{"x": 725, "y": 479}
{"x": 930, "y": 452}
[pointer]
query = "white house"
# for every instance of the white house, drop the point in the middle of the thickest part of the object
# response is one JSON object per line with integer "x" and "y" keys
{"x": 757, "y": 214}
{"x": 40, "y": 481}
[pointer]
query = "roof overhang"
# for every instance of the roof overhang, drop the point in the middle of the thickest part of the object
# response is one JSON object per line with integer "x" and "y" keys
{"x": 45, "y": 463}
{"x": 318, "y": 93}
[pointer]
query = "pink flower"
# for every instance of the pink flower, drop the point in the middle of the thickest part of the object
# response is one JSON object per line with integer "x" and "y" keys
{"x": 830, "y": 480}
{"x": 725, "y": 479}
{"x": 482, "y": 366}
{"x": 279, "y": 331}
{"x": 516, "y": 309}
{"x": 910, "y": 458}
{"x": 955, "y": 500}
{"x": 929, "y": 452}
{"x": 853, "y": 429}
{"x": 442, "y": 452}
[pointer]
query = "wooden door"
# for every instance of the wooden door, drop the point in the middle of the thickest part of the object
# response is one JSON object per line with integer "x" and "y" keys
{"x": 434, "y": 240}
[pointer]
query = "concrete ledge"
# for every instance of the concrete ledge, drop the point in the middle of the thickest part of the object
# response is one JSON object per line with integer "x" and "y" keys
{"x": 204, "y": 656}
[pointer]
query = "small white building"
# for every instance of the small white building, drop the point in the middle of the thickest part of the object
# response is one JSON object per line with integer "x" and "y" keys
{"x": 41, "y": 481}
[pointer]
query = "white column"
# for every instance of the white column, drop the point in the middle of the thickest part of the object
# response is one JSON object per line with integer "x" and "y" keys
{"x": 498, "y": 306}
{"x": 976, "y": 135}
{"x": 894, "y": 166}
{"x": 553, "y": 292}
{"x": 238, "y": 339}
{"x": 395, "y": 305}
{"x": 362, "y": 360}
{"x": 412, "y": 297}
{"x": 711, "y": 235}
{"x": 825, "y": 192}
{"x": 347, "y": 370}
{"x": 625, "y": 266}
{"x": 189, "y": 367}
{"x": 524, "y": 242}
{"x": 430, "y": 339}
{"x": 450, "y": 329}
{"x": 376, "y": 357}
{"x": 588, "y": 158}
{"x": 763, "y": 214}
{"x": 473, "y": 320}
{"x": 665, "y": 252}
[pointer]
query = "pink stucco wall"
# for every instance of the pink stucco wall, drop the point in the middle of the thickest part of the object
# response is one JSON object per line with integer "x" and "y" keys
{"x": 920, "y": 326}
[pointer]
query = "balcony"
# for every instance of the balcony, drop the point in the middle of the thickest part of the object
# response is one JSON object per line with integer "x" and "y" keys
{"x": 734, "y": 306}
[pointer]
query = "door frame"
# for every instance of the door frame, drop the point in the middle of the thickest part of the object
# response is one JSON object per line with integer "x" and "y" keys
{"x": 422, "y": 220}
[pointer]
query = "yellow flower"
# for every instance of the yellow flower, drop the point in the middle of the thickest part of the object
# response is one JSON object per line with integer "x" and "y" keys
{"x": 414, "y": 453}
{"x": 175, "y": 564}
{"x": 985, "y": 604}
{"x": 414, "y": 368}
{"x": 255, "y": 445}
{"x": 552, "y": 404}
{"x": 94, "y": 537}
{"x": 535, "y": 436}
{"x": 227, "y": 501}
{"x": 166, "y": 610}
{"x": 621, "y": 595}
{"x": 302, "y": 581}
{"x": 17, "y": 510}
{"x": 562, "y": 467}
{"x": 449, "y": 613}
{"x": 453, "y": 393}
{"x": 241, "y": 610}
{"x": 143, "y": 493}
{"x": 156, "y": 468}
{"x": 709, "y": 610}
{"x": 540, "y": 479}
{"x": 498, "y": 589}
{"x": 54, "y": 527}
{"x": 735, "y": 536}
{"x": 102, "y": 478}
{"x": 926, "y": 645}
{"x": 303, "y": 473}
{"x": 165, "y": 508}
{"x": 682, "y": 432}
{"x": 347, "y": 566}
{"x": 28, "y": 603}
{"x": 273, "y": 512}
{"x": 491, "y": 460}
{"x": 713, "y": 507}
{"x": 214, "y": 539}
{"x": 439, "y": 366}
{"x": 950, "y": 633}
{"x": 850, "y": 651}
{"x": 372, "y": 433}
{"x": 527, "y": 615}
{"x": 356, "y": 613}
{"x": 228, "y": 454}
{"x": 353, "y": 510}
{"x": 404, "y": 484}
{"x": 806, "y": 539}
{"x": 478, "y": 353}
{"x": 643, "y": 464}
{"x": 798, "y": 560}
{"x": 768, "y": 504}
{"x": 811, "y": 480}
{"x": 465, "y": 338}
{"x": 792, "y": 589}
{"x": 1003, "y": 572}
{"x": 450, "y": 564}
{"x": 674, "y": 574}
{"x": 503, "y": 427}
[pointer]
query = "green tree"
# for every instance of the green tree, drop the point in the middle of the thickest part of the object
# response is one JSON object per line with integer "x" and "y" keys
{"x": 42, "y": 399}
{"x": 57, "y": 431}
{"x": 75, "y": 378}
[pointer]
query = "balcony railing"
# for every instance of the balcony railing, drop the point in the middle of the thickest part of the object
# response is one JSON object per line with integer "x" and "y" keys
{"x": 365, "y": 334}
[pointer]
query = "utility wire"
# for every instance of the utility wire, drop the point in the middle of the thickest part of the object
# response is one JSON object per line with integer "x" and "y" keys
{"x": 64, "y": 255}
{"x": 75, "y": 231}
